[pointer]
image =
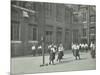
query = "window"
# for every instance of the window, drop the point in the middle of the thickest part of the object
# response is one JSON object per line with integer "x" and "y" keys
{"x": 15, "y": 30}
{"x": 83, "y": 16}
{"x": 32, "y": 32}
{"x": 67, "y": 16}
{"x": 92, "y": 30}
{"x": 33, "y": 6}
{"x": 25, "y": 4}
{"x": 92, "y": 18}
{"x": 75, "y": 18}
{"x": 49, "y": 36}
{"x": 66, "y": 36}
{"x": 83, "y": 11}
{"x": 21, "y": 3}
{"x": 84, "y": 32}
{"x": 14, "y": 2}
{"x": 58, "y": 13}
{"x": 92, "y": 33}
{"x": 48, "y": 9}
{"x": 49, "y": 33}
{"x": 59, "y": 35}
{"x": 75, "y": 36}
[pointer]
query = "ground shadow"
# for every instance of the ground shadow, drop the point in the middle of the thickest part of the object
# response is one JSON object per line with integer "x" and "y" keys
{"x": 68, "y": 61}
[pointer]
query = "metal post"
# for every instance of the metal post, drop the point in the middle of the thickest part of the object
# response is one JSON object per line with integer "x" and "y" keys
{"x": 43, "y": 33}
{"x": 43, "y": 43}
{"x": 42, "y": 38}
{"x": 72, "y": 36}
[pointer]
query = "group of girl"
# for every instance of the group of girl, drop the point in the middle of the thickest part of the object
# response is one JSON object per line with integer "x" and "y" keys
{"x": 53, "y": 50}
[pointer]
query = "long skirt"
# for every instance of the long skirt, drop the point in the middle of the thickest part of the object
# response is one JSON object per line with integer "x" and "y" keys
{"x": 93, "y": 53}
{"x": 52, "y": 56}
{"x": 76, "y": 53}
{"x": 60, "y": 54}
{"x": 40, "y": 51}
{"x": 33, "y": 52}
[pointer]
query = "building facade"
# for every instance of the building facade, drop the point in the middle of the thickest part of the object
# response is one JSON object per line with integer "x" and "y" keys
{"x": 33, "y": 21}
{"x": 88, "y": 20}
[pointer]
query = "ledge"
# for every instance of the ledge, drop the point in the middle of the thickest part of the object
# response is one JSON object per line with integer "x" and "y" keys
{"x": 16, "y": 41}
{"x": 32, "y": 41}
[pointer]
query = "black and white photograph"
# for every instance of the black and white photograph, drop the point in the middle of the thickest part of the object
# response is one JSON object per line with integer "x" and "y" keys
{"x": 52, "y": 37}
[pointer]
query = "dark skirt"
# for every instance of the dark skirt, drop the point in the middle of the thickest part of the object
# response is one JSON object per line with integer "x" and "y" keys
{"x": 39, "y": 51}
{"x": 60, "y": 54}
{"x": 76, "y": 52}
{"x": 34, "y": 52}
{"x": 93, "y": 53}
{"x": 52, "y": 56}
